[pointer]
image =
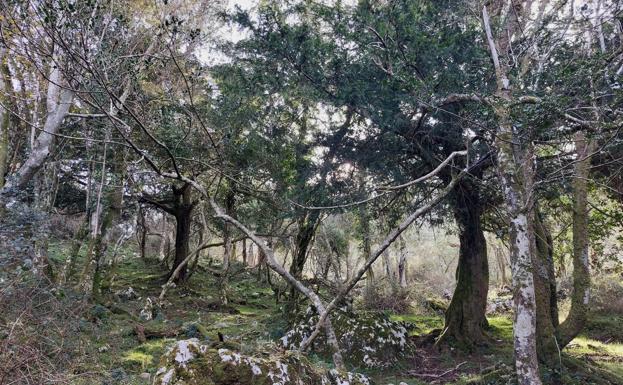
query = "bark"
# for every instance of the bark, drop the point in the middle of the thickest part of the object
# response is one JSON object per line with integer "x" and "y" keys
{"x": 58, "y": 101}
{"x": 182, "y": 212}
{"x": 230, "y": 202}
{"x": 366, "y": 248}
{"x": 402, "y": 263}
{"x": 141, "y": 227}
{"x": 387, "y": 265}
{"x": 515, "y": 172}
{"x": 181, "y": 206}
{"x": 308, "y": 225}
{"x": 545, "y": 290}
{"x": 465, "y": 318}
{"x": 580, "y": 298}
{"x": 163, "y": 246}
{"x": 4, "y": 117}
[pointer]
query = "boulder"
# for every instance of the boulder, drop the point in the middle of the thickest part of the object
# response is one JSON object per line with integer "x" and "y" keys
{"x": 127, "y": 294}
{"x": 499, "y": 305}
{"x": 368, "y": 339}
{"x": 188, "y": 362}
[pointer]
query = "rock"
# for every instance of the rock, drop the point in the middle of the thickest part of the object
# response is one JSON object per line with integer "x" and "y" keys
{"x": 367, "y": 339}
{"x": 99, "y": 313}
{"x": 145, "y": 376}
{"x": 188, "y": 362}
{"x": 147, "y": 312}
{"x": 118, "y": 374}
{"x": 194, "y": 330}
{"x": 499, "y": 305}
{"x": 27, "y": 264}
{"x": 127, "y": 294}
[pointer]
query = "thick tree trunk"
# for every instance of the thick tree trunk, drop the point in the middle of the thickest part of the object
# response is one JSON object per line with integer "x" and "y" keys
{"x": 465, "y": 318}
{"x": 575, "y": 321}
{"x": 545, "y": 290}
{"x": 306, "y": 231}
{"x": 141, "y": 228}
{"x": 181, "y": 207}
{"x": 183, "y": 221}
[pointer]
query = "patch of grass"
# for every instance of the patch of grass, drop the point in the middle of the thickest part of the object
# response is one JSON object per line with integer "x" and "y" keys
{"x": 501, "y": 328}
{"x": 605, "y": 328}
{"x": 586, "y": 346}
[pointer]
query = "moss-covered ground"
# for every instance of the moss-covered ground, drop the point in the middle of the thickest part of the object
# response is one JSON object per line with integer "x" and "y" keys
{"x": 110, "y": 353}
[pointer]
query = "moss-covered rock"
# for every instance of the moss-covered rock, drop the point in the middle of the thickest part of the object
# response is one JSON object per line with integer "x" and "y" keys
{"x": 368, "y": 339}
{"x": 188, "y": 362}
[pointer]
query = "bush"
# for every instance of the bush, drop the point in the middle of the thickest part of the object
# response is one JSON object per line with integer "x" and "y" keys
{"x": 34, "y": 327}
{"x": 387, "y": 297}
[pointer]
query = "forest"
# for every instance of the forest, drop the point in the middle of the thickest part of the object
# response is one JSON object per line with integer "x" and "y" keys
{"x": 311, "y": 192}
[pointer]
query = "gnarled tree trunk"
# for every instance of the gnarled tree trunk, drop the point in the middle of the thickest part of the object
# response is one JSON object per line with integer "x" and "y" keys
{"x": 465, "y": 318}
{"x": 306, "y": 231}
{"x": 580, "y": 298}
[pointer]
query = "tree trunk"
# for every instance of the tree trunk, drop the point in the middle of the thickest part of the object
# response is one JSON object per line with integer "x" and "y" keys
{"x": 515, "y": 168}
{"x": 228, "y": 250}
{"x": 306, "y": 231}
{"x": 141, "y": 228}
{"x": 366, "y": 249}
{"x": 180, "y": 205}
{"x": 402, "y": 263}
{"x": 183, "y": 221}
{"x": 545, "y": 290}
{"x": 4, "y": 116}
{"x": 111, "y": 216}
{"x": 465, "y": 319}
{"x": 575, "y": 321}
{"x": 58, "y": 101}
{"x": 69, "y": 267}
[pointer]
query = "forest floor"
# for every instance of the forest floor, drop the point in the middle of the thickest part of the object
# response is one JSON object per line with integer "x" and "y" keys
{"x": 110, "y": 352}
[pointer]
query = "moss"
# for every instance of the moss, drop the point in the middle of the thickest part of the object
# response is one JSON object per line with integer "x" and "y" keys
{"x": 436, "y": 304}
{"x": 137, "y": 359}
{"x": 419, "y": 324}
{"x": 501, "y": 327}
